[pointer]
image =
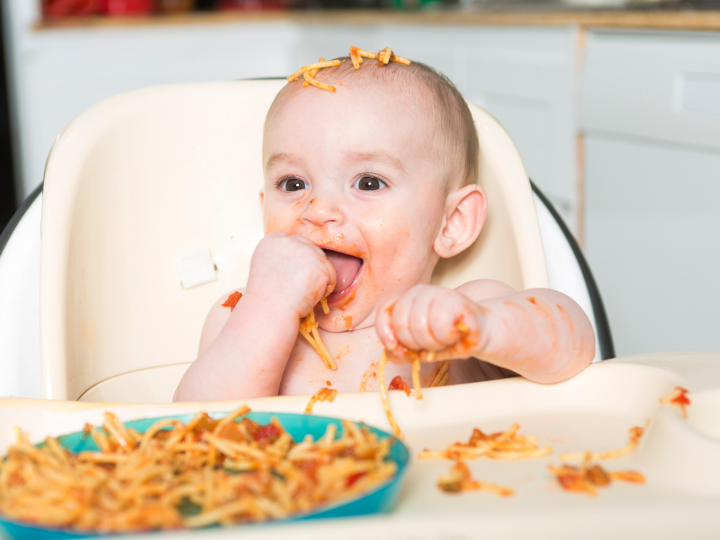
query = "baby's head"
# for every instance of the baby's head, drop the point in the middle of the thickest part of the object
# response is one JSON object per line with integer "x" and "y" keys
{"x": 382, "y": 174}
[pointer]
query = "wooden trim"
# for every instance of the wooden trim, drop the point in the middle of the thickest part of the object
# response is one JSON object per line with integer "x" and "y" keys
{"x": 645, "y": 20}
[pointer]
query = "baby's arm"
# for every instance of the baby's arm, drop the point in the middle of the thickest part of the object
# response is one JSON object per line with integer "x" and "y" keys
{"x": 243, "y": 353}
{"x": 540, "y": 334}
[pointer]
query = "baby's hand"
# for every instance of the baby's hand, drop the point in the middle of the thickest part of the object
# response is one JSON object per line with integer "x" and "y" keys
{"x": 429, "y": 318}
{"x": 290, "y": 272}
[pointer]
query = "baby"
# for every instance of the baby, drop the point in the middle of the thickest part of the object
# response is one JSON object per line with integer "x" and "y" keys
{"x": 365, "y": 190}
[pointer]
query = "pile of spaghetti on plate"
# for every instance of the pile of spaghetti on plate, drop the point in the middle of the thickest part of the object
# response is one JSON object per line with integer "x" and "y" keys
{"x": 193, "y": 474}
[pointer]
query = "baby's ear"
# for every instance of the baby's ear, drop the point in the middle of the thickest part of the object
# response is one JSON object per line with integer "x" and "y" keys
{"x": 463, "y": 220}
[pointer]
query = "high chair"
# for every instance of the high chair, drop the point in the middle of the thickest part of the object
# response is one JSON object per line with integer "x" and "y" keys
{"x": 150, "y": 213}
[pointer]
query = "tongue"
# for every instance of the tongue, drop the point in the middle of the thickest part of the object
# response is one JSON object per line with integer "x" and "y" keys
{"x": 346, "y": 268}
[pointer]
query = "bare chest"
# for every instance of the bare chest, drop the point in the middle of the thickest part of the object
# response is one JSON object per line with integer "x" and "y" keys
{"x": 357, "y": 355}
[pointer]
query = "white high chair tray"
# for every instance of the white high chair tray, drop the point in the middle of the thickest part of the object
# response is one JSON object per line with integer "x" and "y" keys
{"x": 592, "y": 411}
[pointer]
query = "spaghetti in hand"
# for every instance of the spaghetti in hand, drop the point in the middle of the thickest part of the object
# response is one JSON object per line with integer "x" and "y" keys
{"x": 429, "y": 324}
{"x": 309, "y": 330}
{"x": 415, "y": 357}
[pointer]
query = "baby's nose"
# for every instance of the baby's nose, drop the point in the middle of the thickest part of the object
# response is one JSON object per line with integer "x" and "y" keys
{"x": 322, "y": 210}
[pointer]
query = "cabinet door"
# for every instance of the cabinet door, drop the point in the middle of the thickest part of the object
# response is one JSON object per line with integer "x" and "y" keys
{"x": 653, "y": 242}
{"x": 525, "y": 77}
{"x": 653, "y": 186}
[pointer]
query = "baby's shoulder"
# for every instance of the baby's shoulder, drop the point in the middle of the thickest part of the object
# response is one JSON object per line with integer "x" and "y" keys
{"x": 484, "y": 289}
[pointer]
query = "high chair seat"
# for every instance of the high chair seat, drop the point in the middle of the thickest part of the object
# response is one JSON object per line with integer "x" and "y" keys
{"x": 143, "y": 178}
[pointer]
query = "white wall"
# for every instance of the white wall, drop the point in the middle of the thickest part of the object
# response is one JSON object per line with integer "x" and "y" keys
{"x": 524, "y": 76}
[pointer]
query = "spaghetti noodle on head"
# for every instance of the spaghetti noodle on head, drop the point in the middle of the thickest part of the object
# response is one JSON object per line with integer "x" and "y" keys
{"x": 451, "y": 137}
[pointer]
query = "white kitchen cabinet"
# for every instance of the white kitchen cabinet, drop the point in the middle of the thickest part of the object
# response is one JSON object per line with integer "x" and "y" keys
{"x": 650, "y": 113}
{"x": 522, "y": 75}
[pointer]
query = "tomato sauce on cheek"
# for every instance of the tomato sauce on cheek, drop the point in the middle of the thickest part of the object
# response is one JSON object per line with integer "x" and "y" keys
{"x": 399, "y": 256}
{"x": 282, "y": 221}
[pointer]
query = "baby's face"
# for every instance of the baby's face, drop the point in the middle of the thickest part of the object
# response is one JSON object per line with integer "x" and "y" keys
{"x": 352, "y": 173}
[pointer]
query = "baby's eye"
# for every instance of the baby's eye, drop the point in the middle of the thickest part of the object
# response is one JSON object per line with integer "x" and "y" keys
{"x": 292, "y": 184}
{"x": 369, "y": 183}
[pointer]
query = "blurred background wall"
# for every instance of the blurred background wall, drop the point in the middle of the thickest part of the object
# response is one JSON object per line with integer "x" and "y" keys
{"x": 614, "y": 109}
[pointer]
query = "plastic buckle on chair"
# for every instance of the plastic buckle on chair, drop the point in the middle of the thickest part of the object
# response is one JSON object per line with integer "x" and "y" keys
{"x": 196, "y": 268}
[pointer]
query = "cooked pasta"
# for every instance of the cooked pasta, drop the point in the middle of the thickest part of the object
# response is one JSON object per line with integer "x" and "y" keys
{"x": 588, "y": 477}
{"x": 416, "y": 357}
{"x": 384, "y": 57}
{"x": 459, "y": 480}
{"x": 506, "y": 445}
{"x": 309, "y": 330}
{"x": 324, "y": 394}
{"x": 383, "y": 395}
{"x": 178, "y": 475}
{"x": 678, "y": 398}
{"x": 636, "y": 434}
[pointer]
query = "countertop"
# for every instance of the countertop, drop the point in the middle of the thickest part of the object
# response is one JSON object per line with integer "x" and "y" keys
{"x": 518, "y": 15}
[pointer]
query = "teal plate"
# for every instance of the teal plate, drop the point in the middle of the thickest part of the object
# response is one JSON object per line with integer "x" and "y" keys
{"x": 380, "y": 500}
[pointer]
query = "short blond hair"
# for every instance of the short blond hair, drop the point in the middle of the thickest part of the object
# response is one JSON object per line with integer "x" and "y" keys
{"x": 459, "y": 151}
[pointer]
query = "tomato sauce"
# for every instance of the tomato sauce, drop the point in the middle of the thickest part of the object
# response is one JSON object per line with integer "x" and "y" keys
{"x": 232, "y": 300}
{"x": 398, "y": 383}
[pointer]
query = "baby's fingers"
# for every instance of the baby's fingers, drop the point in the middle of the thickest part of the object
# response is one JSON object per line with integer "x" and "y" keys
{"x": 331, "y": 275}
{"x": 457, "y": 326}
{"x": 383, "y": 325}
{"x": 402, "y": 314}
{"x": 428, "y": 305}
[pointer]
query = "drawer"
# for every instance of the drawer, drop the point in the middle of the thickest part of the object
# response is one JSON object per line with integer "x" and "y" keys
{"x": 659, "y": 85}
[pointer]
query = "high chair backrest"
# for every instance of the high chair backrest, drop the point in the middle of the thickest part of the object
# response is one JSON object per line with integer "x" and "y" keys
{"x": 139, "y": 179}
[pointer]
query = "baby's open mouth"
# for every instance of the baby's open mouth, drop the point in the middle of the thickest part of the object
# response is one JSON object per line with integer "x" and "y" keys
{"x": 347, "y": 270}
